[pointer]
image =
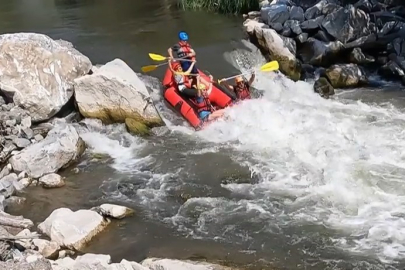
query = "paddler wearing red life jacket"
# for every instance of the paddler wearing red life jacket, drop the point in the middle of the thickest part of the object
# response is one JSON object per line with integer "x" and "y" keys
{"x": 205, "y": 110}
{"x": 241, "y": 87}
{"x": 180, "y": 77}
{"x": 183, "y": 50}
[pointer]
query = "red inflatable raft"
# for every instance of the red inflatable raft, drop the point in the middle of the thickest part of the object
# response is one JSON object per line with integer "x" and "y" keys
{"x": 219, "y": 97}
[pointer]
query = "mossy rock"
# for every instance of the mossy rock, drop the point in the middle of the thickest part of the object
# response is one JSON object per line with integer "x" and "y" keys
{"x": 136, "y": 127}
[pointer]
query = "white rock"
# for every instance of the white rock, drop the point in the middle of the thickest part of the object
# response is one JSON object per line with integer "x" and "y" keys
{"x": 94, "y": 262}
{"x": 113, "y": 93}
{"x": 52, "y": 180}
{"x": 73, "y": 229}
{"x": 39, "y": 72}
{"x": 115, "y": 211}
{"x": 168, "y": 264}
{"x": 61, "y": 146}
{"x": 25, "y": 242}
{"x": 25, "y": 182}
{"x": 47, "y": 248}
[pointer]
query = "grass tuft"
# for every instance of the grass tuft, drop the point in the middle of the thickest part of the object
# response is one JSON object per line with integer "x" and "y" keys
{"x": 221, "y": 6}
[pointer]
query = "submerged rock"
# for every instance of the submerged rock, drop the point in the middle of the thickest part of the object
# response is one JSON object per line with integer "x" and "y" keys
{"x": 272, "y": 43}
{"x": 59, "y": 149}
{"x": 323, "y": 88}
{"x": 114, "y": 93}
{"x": 37, "y": 72}
{"x": 73, "y": 230}
{"x": 52, "y": 180}
{"x": 169, "y": 264}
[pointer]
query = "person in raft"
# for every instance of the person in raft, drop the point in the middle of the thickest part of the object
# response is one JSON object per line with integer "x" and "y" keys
{"x": 181, "y": 79}
{"x": 205, "y": 110}
{"x": 183, "y": 50}
{"x": 241, "y": 87}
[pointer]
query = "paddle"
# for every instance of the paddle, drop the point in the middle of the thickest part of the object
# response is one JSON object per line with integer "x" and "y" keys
{"x": 153, "y": 67}
{"x": 271, "y": 66}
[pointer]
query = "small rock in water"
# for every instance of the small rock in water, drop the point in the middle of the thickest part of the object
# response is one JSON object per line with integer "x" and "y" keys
{"x": 52, "y": 180}
{"x": 73, "y": 229}
{"x": 25, "y": 182}
{"x": 114, "y": 211}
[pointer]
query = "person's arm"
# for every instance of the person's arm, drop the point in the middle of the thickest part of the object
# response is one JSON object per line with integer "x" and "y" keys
{"x": 230, "y": 87}
{"x": 252, "y": 79}
{"x": 170, "y": 52}
{"x": 190, "y": 68}
{"x": 192, "y": 54}
{"x": 170, "y": 67}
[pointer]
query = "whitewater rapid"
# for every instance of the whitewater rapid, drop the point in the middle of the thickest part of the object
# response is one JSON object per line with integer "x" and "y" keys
{"x": 335, "y": 164}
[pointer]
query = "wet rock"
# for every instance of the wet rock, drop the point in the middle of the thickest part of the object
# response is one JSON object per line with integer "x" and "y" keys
{"x": 273, "y": 44}
{"x": 323, "y": 88}
{"x": 97, "y": 95}
{"x": 302, "y": 38}
{"x": 358, "y": 57}
{"x": 48, "y": 249}
{"x": 297, "y": 13}
{"x": 318, "y": 53}
{"x": 346, "y": 75}
{"x": 391, "y": 70}
{"x": 50, "y": 73}
{"x": 58, "y": 150}
{"x": 137, "y": 127}
{"x": 51, "y": 180}
{"x": 14, "y": 201}
{"x": 73, "y": 230}
{"x": 25, "y": 182}
{"x": 347, "y": 24}
{"x": 2, "y": 101}
{"x": 277, "y": 26}
{"x": 169, "y": 264}
{"x": 113, "y": 211}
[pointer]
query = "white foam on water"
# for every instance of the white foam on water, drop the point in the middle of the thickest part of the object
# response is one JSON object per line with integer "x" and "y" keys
{"x": 337, "y": 163}
{"x": 116, "y": 142}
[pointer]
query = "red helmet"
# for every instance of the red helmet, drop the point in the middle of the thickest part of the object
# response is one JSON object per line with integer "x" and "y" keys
{"x": 176, "y": 65}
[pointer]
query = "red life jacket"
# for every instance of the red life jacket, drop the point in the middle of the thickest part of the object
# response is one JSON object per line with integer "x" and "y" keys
{"x": 184, "y": 50}
{"x": 242, "y": 92}
{"x": 205, "y": 105}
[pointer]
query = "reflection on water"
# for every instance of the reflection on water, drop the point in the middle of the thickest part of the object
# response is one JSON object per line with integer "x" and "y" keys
{"x": 104, "y": 30}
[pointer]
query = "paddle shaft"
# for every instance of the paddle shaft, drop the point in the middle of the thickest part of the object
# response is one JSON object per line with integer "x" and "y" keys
{"x": 246, "y": 73}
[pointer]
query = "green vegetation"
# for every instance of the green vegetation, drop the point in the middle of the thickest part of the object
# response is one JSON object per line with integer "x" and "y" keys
{"x": 221, "y": 6}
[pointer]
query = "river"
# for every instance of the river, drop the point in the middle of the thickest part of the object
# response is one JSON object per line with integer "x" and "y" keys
{"x": 289, "y": 180}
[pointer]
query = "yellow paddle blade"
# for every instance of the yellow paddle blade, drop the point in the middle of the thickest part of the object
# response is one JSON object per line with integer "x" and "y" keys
{"x": 149, "y": 68}
{"x": 273, "y": 65}
{"x": 157, "y": 57}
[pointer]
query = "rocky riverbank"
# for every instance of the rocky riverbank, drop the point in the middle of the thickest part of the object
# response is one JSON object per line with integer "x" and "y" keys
{"x": 46, "y": 87}
{"x": 346, "y": 40}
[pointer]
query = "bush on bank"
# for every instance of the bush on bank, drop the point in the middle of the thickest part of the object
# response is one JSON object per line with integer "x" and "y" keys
{"x": 221, "y": 6}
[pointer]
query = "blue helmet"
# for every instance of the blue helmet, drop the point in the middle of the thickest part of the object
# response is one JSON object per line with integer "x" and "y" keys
{"x": 183, "y": 36}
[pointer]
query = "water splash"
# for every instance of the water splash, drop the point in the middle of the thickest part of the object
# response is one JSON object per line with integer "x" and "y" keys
{"x": 337, "y": 164}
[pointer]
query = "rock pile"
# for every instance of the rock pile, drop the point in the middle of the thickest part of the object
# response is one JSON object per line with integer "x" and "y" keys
{"x": 346, "y": 37}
